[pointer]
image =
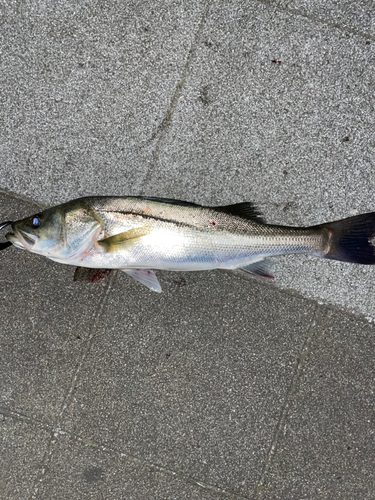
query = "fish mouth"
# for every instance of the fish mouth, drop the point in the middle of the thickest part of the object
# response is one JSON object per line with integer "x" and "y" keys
{"x": 14, "y": 240}
{"x": 21, "y": 239}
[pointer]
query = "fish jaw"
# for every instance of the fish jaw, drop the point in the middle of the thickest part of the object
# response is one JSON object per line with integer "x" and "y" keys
{"x": 26, "y": 239}
{"x": 22, "y": 239}
{"x": 14, "y": 240}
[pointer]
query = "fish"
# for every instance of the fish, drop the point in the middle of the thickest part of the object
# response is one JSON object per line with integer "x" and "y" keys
{"x": 139, "y": 235}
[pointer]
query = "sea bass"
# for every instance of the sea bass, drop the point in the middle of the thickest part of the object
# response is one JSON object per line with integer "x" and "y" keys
{"x": 140, "y": 234}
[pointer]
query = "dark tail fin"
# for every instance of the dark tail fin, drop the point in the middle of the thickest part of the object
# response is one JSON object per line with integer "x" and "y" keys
{"x": 352, "y": 239}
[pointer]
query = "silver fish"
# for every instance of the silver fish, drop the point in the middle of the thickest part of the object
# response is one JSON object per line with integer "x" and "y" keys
{"x": 140, "y": 234}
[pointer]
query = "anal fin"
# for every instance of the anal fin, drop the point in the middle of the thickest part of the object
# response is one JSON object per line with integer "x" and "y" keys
{"x": 261, "y": 268}
{"x": 146, "y": 277}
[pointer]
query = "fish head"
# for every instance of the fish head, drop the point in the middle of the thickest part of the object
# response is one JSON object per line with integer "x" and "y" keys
{"x": 40, "y": 233}
{"x": 62, "y": 232}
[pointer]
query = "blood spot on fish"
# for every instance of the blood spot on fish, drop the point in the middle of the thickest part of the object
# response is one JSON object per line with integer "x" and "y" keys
{"x": 275, "y": 61}
{"x": 213, "y": 223}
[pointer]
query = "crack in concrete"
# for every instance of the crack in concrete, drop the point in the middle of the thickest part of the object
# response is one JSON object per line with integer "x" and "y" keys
{"x": 56, "y": 430}
{"x": 67, "y": 399}
{"x": 112, "y": 451}
{"x": 158, "y": 468}
{"x": 281, "y": 424}
{"x": 163, "y": 127}
{"x": 318, "y": 20}
{"x": 21, "y": 417}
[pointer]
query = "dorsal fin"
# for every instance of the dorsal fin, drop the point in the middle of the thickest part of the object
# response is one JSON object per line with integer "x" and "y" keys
{"x": 245, "y": 210}
{"x": 171, "y": 201}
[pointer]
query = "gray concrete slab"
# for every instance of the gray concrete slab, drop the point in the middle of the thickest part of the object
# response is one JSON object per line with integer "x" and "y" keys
{"x": 84, "y": 86}
{"x": 296, "y": 138}
{"x": 46, "y": 320}
{"x": 23, "y": 445}
{"x": 326, "y": 448}
{"x": 82, "y": 472}
{"x": 195, "y": 378}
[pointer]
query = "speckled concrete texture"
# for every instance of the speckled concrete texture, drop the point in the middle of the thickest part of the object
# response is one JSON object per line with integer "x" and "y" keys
{"x": 326, "y": 448}
{"x": 87, "y": 471}
{"x": 23, "y": 445}
{"x": 199, "y": 381}
{"x": 352, "y": 17}
{"x": 84, "y": 87}
{"x": 44, "y": 330}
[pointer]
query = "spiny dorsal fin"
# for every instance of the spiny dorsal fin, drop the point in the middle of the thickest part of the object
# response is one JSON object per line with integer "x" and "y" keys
{"x": 123, "y": 240}
{"x": 245, "y": 210}
{"x": 171, "y": 201}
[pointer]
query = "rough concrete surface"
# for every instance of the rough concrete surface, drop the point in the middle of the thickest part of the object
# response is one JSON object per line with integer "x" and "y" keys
{"x": 327, "y": 447}
{"x": 196, "y": 384}
{"x": 221, "y": 387}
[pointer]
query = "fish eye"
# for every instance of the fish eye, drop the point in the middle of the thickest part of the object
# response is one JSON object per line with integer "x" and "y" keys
{"x": 36, "y": 221}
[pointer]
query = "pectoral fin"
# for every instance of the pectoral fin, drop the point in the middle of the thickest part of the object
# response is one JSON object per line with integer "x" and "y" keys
{"x": 146, "y": 277}
{"x": 123, "y": 240}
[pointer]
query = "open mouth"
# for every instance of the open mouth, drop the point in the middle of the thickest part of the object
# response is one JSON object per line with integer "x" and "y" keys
{"x": 28, "y": 239}
{"x": 20, "y": 239}
{"x": 13, "y": 239}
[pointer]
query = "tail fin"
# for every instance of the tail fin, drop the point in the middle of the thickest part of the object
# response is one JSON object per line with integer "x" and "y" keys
{"x": 352, "y": 239}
